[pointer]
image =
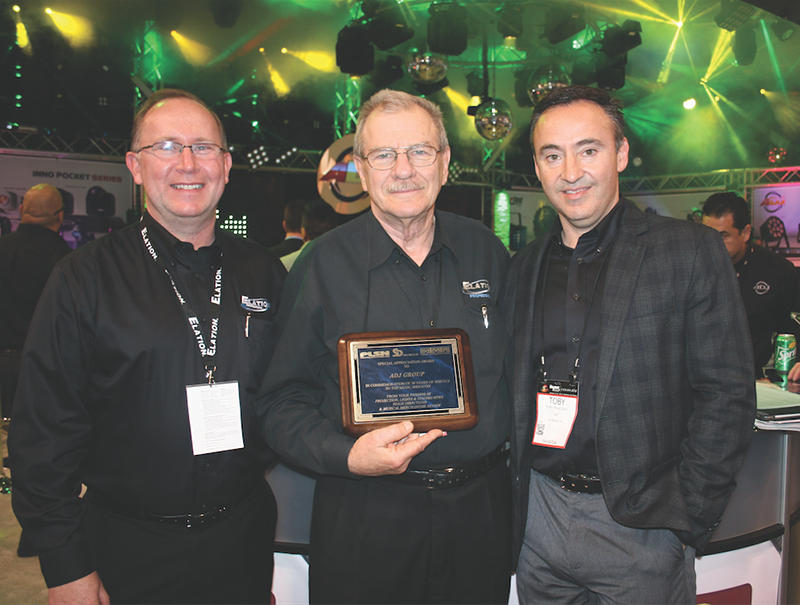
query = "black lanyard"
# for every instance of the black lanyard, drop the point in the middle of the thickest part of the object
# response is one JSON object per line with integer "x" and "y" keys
{"x": 206, "y": 350}
{"x": 573, "y": 376}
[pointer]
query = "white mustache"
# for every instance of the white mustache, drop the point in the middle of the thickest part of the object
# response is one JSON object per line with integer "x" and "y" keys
{"x": 404, "y": 186}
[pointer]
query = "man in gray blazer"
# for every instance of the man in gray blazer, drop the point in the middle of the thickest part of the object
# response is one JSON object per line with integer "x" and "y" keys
{"x": 633, "y": 392}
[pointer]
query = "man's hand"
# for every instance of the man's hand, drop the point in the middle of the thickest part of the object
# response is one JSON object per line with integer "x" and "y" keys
{"x": 87, "y": 590}
{"x": 388, "y": 450}
{"x": 794, "y": 373}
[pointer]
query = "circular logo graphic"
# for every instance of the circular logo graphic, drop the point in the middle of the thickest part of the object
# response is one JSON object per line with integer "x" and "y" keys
{"x": 337, "y": 180}
{"x": 772, "y": 201}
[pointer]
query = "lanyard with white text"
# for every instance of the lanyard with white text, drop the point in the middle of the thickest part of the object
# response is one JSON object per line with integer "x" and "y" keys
{"x": 206, "y": 350}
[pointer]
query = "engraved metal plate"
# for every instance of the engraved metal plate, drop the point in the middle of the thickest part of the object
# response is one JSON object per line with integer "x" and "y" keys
{"x": 420, "y": 375}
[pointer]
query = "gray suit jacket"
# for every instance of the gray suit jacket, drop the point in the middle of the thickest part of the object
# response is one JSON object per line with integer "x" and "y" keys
{"x": 675, "y": 386}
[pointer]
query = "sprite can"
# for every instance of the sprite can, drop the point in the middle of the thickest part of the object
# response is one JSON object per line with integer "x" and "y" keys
{"x": 785, "y": 352}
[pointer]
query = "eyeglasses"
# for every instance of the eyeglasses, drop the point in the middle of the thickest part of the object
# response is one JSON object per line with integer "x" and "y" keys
{"x": 63, "y": 209}
{"x": 419, "y": 156}
{"x": 171, "y": 149}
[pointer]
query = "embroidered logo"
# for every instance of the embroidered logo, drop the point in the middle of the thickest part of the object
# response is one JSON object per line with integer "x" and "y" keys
{"x": 761, "y": 287}
{"x": 256, "y": 305}
{"x": 476, "y": 289}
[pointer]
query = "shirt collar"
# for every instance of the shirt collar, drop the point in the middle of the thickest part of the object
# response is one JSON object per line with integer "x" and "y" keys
{"x": 599, "y": 237}
{"x": 174, "y": 250}
{"x": 381, "y": 245}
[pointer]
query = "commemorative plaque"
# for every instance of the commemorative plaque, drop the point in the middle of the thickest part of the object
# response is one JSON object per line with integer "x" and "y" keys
{"x": 420, "y": 375}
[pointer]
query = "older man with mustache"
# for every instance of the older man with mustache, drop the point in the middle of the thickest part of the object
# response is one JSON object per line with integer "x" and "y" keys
{"x": 398, "y": 516}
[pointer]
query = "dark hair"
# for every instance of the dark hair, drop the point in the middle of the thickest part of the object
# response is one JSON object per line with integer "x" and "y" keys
{"x": 727, "y": 202}
{"x": 293, "y": 215}
{"x": 318, "y": 217}
{"x": 162, "y": 95}
{"x": 567, "y": 95}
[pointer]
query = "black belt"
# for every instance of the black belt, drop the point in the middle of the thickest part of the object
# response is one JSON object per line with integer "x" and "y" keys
{"x": 190, "y": 521}
{"x": 584, "y": 483}
{"x": 453, "y": 476}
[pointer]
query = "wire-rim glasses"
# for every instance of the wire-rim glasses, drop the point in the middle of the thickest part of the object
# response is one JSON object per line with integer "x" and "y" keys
{"x": 171, "y": 149}
{"x": 418, "y": 156}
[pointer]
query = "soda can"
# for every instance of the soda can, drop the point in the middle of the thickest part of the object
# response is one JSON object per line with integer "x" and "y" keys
{"x": 785, "y": 352}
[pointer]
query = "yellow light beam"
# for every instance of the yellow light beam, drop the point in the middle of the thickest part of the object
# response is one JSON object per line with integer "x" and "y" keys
{"x": 325, "y": 62}
{"x": 281, "y": 88}
{"x": 22, "y": 38}
{"x": 722, "y": 51}
{"x": 734, "y": 138}
{"x": 786, "y": 110}
{"x": 77, "y": 30}
{"x": 194, "y": 52}
{"x": 639, "y": 16}
{"x": 663, "y": 76}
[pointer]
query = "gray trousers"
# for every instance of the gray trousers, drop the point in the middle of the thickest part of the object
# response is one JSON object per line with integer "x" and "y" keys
{"x": 574, "y": 552}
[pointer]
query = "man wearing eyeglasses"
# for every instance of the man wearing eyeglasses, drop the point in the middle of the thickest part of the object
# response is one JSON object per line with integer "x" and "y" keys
{"x": 137, "y": 382}
{"x": 398, "y": 516}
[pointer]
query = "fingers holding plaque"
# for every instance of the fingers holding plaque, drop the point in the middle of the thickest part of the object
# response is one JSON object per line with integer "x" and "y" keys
{"x": 424, "y": 376}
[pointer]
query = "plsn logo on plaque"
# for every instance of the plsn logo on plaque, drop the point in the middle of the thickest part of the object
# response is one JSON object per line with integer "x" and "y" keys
{"x": 420, "y": 375}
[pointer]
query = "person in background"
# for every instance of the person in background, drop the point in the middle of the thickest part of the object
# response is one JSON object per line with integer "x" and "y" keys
{"x": 398, "y": 516}
{"x": 768, "y": 282}
{"x": 292, "y": 223}
{"x": 137, "y": 381}
{"x": 27, "y": 256}
{"x": 633, "y": 399}
{"x": 318, "y": 217}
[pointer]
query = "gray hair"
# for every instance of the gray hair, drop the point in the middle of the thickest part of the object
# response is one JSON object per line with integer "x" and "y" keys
{"x": 395, "y": 101}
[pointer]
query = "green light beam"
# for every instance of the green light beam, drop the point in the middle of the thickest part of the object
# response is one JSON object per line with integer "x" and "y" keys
{"x": 773, "y": 59}
{"x": 734, "y": 138}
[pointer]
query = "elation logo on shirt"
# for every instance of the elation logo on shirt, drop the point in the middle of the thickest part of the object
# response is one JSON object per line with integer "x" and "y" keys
{"x": 256, "y": 305}
{"x": 476, "y": 289}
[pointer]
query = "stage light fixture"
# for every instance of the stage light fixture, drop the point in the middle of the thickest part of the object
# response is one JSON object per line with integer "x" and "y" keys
{"x": 619, "y": 39}
{"x": 354, "y": 53}
{"x": 447, "y": 28}
{"x": 733, "y": 14}
{"x": 611, "y": 73}
{"x": 388, "y": 28}
{"x": 782, "y": 29}
{"x": 426, "y": 67}
{"x": 226, "y": 12}
{"x": 510, "y": 20}
{"x": 387, "y": 71}
{"x": 690, "y": 103}
{"x": 744, "y": 45}
{"x": 493, "y": 119}
{"x": 428, "y": 88}
{"x": 564, "y": 22}
{"x": 545, "y": 79}
{"x": 258, "y": 157}
{"x": 475, "y": 84}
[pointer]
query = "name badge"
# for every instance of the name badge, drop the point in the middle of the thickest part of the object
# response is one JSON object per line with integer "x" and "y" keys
{"x": 556, "y": 410}
{"x": 215, "y": 417}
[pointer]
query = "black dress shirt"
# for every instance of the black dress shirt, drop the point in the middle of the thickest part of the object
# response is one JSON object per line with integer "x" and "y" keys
{"x": 355, "y": 278}
{"x": 571, "y": 285}
{"x": 102, "y": 393}
{"x": 27, "y": 256}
